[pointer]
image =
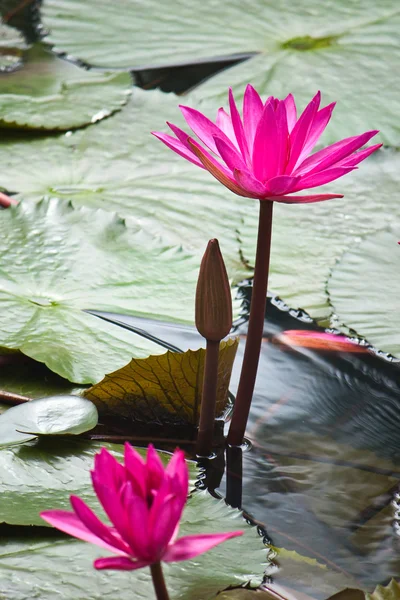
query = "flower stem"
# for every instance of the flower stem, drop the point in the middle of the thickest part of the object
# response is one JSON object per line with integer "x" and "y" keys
{"x": 159, "y": 582}
{"x": 208, "y": 400}
{"x": 255, "y": 329}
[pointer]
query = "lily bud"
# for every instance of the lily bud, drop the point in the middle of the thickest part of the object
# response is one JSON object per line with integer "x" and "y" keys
{"x": 213, "y": 296}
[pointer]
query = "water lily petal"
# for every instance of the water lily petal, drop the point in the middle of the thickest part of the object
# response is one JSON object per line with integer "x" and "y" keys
{"x": 253, "y": 187}
{"x": 119, "y": 564}
{"x": 322, "y": 177}
{"x": 252, "y": 111}
{"x": 291, "y": 111}
{"x": 177, "y": 147}
{"x": 203, "y": 127}
{"x": 238, "y": 127}
{"x": 231, "y": 157}
{"x": 69, "y": 523}
{"x": 265, "y": 158}
{"x": 154, "y": 469}
{"x": 224, "y": 122}
{"x": 318, "y": 126}
{"x": 189, "y": 546}
{"x": 93, "y": 524}
{"x": 283, "y": 184}
{"x": 301, "y": 131}
{"x": 306, "y": 199}
{"x": 216, "y": 169}
{"x": 283, "y": 147}
{"x": 357, "y": 157}
{"x": 177, "y": 470}
{"x": 136, "y": 467}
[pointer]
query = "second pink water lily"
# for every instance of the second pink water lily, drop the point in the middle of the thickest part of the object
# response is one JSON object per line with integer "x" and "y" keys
{"x": 267, "y": 152}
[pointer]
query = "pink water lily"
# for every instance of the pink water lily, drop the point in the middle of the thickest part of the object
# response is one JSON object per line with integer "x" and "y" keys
{"x": 266, "y": 153}
{"x": 144, "y": 502}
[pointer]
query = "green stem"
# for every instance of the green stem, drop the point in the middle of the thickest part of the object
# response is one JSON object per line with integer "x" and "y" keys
{"x": 255, "y": 329}
{"x": 159, "y": 582}
{"x": 209, "y": 400}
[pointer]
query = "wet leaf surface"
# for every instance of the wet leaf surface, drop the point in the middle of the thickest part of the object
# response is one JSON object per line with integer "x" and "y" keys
{"x": 163, "y": 388}
{"x": 41, "y": 567}
{"x": 54, "y": 415}
{"x": 51, "y": 93}
{"x": 57, "y": 261}
{"x": 364, "y": 289}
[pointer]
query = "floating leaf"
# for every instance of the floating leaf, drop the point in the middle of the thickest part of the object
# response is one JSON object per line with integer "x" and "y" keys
{"x": 271, "y": 591}
{"x": 308, "y": 575}
{"x": 349, "y": 55}
{"x": 12, "y": 44}
{"x": 43, "y": 475}
{"x": 163, "y": 388}
{"x": 389, "y": 592}
{"x": 117, "y": 165}
{"x": 55, "y": 415}
{"x": 364, "y": 289}
{"x": 307, "y": 240}
{"x": 56, "y": 261}
{"x": 52, "y": 93}
{"x": 37, "y": 567}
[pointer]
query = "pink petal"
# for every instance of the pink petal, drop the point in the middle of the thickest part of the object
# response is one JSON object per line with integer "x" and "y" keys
{"x": 252, "y": 111}
{"x": 231, "y": 157}
{"x": 338, "y": 154}
{"x": 253, "y": 187}
{"x": 291, "y": 111}
{"x": 177, "y": 469}
{"x": 109, "y": 470}
{"x": 190, "y": 546}
{"x": 165, "y": 515}
{"x": 177, "y": 147}
{"x": 137, "y": 532}
{"x": 357, "y": 157}
{"x": 282, "y": 149}
{"x": 318, "y": 126}
{"x": 93, "y": 524}
{"x": 113, "y": 508}
{"x": 301, "y": 131}
{"x": 119, "y": 564}
{"x": 238, "y": 127}
{"x": 216, "y": 169}
{"x": 265, "y": 157}
{"x": 282, "y": 184}
{"x": 335, "y": 153}
{"x": 203, "y": 127}
{"x": 306, "y": 199}
{"x": 69, "y": 523}
{"x": 154, "y": 469}
{"x": 310, "y": 181}
{"x": 136, "y": 467}
{"x": 223, "y": 121}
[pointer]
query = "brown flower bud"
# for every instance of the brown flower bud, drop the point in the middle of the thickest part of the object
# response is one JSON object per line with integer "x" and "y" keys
{"x": 213, "y": 296}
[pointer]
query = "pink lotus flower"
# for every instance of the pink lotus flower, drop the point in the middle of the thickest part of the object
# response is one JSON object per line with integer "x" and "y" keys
{"x": 267, "y": 153}
{"x": 144, "y": 502}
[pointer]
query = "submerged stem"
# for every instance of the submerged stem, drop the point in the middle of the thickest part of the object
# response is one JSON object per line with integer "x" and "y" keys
{"x": 208, "y": 400}
{"x": 159, "y": 582}
{"x": 255, "y": 328}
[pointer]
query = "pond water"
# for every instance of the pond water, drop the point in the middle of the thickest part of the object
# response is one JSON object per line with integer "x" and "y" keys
{"x": 321, "y": 470}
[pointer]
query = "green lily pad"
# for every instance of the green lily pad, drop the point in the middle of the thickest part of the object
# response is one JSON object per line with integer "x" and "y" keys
{"x": 118, "y": 165}
{"x": 56, "y": 261}
{"x": 307, "y": 240}
{"x": 44, "y": 474}
{"x": 364, "y": 289}
{"x": 52, "y": 93}
{"x": 54, "y": 415}
{"x": 45, "y": 567}
{"x": 12, "y": 45}
{"x": 27, "y": 377}
{"x": 348, "y": 50}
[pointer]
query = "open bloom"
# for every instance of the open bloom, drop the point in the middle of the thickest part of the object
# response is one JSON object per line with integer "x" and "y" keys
{"x": 144, "y": 502}
{"x": 266, "y": 154}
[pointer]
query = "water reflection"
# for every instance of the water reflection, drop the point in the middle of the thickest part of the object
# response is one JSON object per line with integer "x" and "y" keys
{"x": 323, "y": 471}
